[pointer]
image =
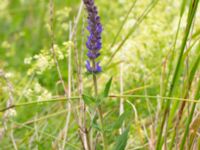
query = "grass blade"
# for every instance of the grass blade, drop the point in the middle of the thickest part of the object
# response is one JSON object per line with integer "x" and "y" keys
{"x": 121, "y": 141}
{"x": 140, "y": 19}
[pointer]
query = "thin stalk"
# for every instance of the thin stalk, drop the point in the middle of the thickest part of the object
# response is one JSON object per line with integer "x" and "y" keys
{"x": 60, "y": 99}
{"x": 99, "y": 107}
{"x": 162, "y": 93}
{"x": 194, "y": 135}
{"x": 9, "y": 103}
{"x": 87, "y": 138}
{"x": 160, "y": 103}
{"x": 56, "y": 61}
{"x": 121, "y": 107}
{"x": 13, "y": 140}
{"x": 82, "y": 118}
{"x": 154, "y": 97}
{"x": 123, "y": 23}
{"x": 42, "y": 118}
{"x": 82, "y": 114}
{"x": 95, "y": 80}
{"x": 172, "y": 51}
{"x": 63, "y": 99}
{"x": 52, "y": 47}
{"x": 197, "y": 96}
{"x": 69, "y": 93}
{"x": 139, "y": 21}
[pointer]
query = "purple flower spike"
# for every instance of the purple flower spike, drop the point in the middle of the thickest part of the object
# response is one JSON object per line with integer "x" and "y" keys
{"x": 90, "y": 69}
{"x": 94, "y": 39}
{"x": 92, "y": 55}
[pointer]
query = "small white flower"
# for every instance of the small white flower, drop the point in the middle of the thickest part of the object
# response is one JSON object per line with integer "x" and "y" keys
{"x": 60, "y": 55}
{"x": 8, "y": 75}
{"x": 68, "y": 44}
{"x": 42, "y": 63}
{"x": 28, "y": 60}
{"x": 5, "y": 45}
{"x": 28, "y": 93}
{"x": 121, "y": 1}
{"x": 3, "y": 4}
{"x": 10, "y": 113}
{"x": 37, "y": 88}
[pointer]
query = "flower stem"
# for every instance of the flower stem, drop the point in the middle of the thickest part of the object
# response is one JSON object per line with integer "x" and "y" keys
{"x": 99, "y": 107}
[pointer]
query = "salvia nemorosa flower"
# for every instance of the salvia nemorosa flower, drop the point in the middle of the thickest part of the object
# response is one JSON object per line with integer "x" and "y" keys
{"x": 94, "y": 39}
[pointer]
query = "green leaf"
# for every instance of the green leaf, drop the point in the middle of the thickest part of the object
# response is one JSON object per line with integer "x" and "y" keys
{"x": 107, "y": 88}
{"x": 95, "y": 124}
{"x": 99, "y": 100}
{"x": 183, "y": 5}
{"x": 88, "y": 100}
{"x": 118, "y": 123}
{"x": 121, "y": 141}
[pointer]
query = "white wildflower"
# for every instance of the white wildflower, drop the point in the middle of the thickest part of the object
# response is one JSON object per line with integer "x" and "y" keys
{"x": 9, "y": 75}
{"x": 10, "y": 113}
{"x": 28, "y": 60}
{"x": 5, "y": 45}
{"x": 42, "y": 64}
{"x": 37, "y": 88}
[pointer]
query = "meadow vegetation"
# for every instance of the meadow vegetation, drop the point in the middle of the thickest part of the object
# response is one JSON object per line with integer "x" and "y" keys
{"x": 145, "y": 97}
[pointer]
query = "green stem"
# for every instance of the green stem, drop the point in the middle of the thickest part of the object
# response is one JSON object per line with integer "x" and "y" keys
{"x": 61, "y": 99}
{"x": 99, "y": 107}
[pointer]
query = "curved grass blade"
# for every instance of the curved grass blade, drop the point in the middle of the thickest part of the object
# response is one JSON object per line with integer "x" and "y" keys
{"x": 123, "y": 23}
{"x": 139, "y": 21}
{"x": 121, "y": 141}
{"x": 107, "y": 88}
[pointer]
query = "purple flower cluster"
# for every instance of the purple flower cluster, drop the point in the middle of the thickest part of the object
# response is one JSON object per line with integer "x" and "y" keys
{"x": 94, "y": 39}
